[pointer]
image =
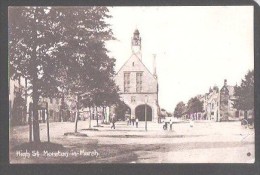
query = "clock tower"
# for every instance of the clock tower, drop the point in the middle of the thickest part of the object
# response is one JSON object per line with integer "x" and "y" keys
{"x": 136, "y": 44}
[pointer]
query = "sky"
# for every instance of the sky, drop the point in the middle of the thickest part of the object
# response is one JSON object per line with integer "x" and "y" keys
{"x": 195, "y": 47}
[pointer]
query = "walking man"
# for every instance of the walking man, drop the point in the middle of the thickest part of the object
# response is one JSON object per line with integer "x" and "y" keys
{"x": 113, "y": 121}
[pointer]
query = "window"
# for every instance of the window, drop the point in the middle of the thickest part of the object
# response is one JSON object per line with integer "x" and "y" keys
{"x": 133, "y": 64}
{"x": 139, "y": 77}
{"x": 133, "y": 99}
{"x": 126, "y": 82}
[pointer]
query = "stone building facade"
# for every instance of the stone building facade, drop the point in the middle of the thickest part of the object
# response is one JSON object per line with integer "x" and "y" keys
{"x": 212, "y": 104}
{"x": 219, "y": 104}
{"x": 19, "y": 102}
{"x": 138, "y": 86}
{"x": 226, "y": 102}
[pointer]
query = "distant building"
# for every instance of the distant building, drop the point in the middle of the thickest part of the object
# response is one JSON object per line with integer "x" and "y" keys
{"x": 138, "y": 86}
{"x": 212, "y": 104}
{"x": 53, "y": 108}
{"x": 19, "y": 103}
{"x": 226, "y": 102}
{"x": 219, "y": 104}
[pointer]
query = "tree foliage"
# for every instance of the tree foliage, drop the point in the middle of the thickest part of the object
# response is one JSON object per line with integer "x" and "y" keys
{"x": 179, "y": 110}
{"x": 120, "y": 109}
{"x": 61, "y": 49}
{"x": 244, "y": 93}
{"x": 194, "y": 105}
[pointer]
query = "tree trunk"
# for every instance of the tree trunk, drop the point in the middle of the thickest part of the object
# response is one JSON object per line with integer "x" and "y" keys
{"x": 62, "y": 109}
{"x": 35, "y": 95}
{"x": 77, "y": 115}
{"x": 104, "y": 114}
{"x": 76, "y": 122}
{"x": 97, "y": 116}
{"x": 36, "y": 128}
{"x": 90, "y": 115}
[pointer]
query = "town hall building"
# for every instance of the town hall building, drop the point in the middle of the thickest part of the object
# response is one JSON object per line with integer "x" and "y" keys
{"x": 138, "y": 86}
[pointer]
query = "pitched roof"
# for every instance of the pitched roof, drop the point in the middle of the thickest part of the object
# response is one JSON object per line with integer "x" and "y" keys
{"x": 141, "y": 63}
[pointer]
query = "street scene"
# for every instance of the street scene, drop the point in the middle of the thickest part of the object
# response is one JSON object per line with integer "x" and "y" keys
{"x": 206, "y": 142}
{"x": 95, "y": 84}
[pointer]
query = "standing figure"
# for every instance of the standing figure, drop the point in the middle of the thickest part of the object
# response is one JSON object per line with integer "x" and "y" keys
{"x": 113, "y": 121}
{"x": 171, "y": 122}
{"x": 133, "y": 120}
{"x": 127, "y": 117}
{"x": 136, "y": 122}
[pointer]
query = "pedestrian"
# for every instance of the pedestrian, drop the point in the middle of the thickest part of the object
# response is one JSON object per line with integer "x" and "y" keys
{"x": 171, "y": 122}
{"x": 133, "y": 120}
{"x": 127, "y": 117}
{"x": 113, "y": 121}
{"x": 129, "y": 120}
{"x": 136, "y": 122}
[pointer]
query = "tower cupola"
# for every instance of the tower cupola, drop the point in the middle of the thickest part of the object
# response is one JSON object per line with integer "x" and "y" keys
{"x": 136, "y": 43}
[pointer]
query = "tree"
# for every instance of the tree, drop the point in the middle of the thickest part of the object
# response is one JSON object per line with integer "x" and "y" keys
{"x": 120, "y": 109}
{"x": 179, "y": 109}
{"x": 194, "y": 105}
{"x": 87, "y": 37}
{"x": 34, "y": 38}
{"x": 245, "y": 93}
{"x": 60, "y": 49}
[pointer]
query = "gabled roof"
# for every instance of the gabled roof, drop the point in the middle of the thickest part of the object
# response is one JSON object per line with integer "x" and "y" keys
{"x": 231, "y": 89}
{"x": 141, "y": 63}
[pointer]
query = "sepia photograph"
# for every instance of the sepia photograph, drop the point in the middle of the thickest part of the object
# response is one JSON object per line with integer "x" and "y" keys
{"x": 131, "y": 84}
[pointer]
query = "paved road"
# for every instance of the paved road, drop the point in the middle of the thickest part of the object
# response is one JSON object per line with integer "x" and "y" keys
{"x": 206, "y": 142}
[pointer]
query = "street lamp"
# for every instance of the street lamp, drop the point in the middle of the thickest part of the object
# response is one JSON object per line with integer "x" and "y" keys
{"x": 145, "y": 111}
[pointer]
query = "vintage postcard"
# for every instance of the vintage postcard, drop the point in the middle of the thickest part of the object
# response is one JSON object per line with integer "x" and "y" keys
{"x": 131, "y": 84}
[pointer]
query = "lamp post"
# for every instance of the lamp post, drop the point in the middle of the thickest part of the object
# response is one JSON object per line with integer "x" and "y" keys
{"x": 145, "y": 111}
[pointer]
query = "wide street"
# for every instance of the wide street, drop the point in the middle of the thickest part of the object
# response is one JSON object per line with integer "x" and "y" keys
{"x": 206, "y": 142}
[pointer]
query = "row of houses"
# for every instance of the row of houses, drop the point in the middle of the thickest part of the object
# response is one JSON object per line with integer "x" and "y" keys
{"x": 218, "y": 105}
{"x": 19, "y": 102}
